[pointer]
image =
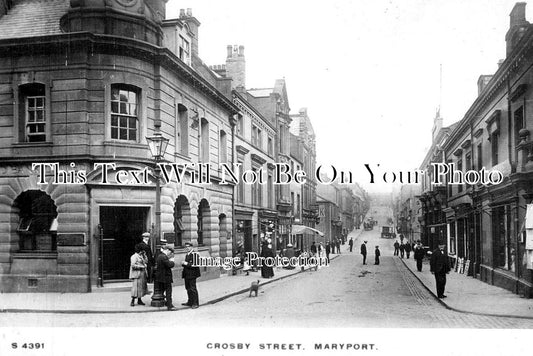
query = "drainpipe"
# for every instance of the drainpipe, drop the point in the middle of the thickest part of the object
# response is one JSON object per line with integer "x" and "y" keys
{"x": 233, "y": 230}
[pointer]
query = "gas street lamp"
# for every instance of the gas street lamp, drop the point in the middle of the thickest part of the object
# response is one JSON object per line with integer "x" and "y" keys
{"x": 158, "y": 146}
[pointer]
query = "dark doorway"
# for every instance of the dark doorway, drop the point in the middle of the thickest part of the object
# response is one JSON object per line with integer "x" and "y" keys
{"x": 123, "y": 227}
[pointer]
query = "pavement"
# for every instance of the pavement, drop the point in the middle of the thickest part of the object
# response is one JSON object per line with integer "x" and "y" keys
{"x": 116, "y": 298}
{"x": 467, "y": 294}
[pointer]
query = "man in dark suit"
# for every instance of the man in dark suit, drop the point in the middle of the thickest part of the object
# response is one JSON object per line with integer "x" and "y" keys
{"x": 440, "y": 266}
{"x": 419, "y": 255}
{"x": 190, "y": 273}
{"x": 145, "y": 246}
{"x": 163, "y": 273}
{"x": 328, "y": 250}
{"x": 351, "y": 244}
{"x": 363, "y": 251}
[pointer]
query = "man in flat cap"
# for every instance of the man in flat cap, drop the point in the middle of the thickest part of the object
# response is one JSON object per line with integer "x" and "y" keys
{"x": 145, "y": 246}
{"x": 163, "y": 273}
{"x": 190, "y": 273}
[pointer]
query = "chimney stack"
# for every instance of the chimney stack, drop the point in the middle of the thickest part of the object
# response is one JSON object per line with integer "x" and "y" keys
{"x": 482, "y": 82}
{"x": 517, "y": 26}
{"x": 236, "y": 66}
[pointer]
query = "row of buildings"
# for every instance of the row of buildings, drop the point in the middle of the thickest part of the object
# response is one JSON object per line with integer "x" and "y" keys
{"x": 485, "y": 224}
{"x": 96, "y": 82}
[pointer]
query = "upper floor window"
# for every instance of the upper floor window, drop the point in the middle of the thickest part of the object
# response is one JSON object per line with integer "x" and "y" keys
{"x": 270, "y": 146}
{"x": 494, "y": 146}
{"x": 223, "y": 147}
{"x": 204, "y": 148}
{"x": 518, "y": 123}
{"x": 124, "y": 113}
{"x": 479, "y": 156}
{"x": 460, "y": 168}
{"x": 257, "y": 136}
{"x": 182, "y": 130}
{"x": 240, "y": 125}
{"x": 184, "y": 50}
{"x": 33, "y": 112}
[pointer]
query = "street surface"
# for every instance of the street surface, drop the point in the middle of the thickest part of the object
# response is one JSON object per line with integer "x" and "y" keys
{"x": 346, "y": 294}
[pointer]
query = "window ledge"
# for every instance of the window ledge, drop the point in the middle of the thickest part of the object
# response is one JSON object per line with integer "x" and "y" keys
{"x": 45, "y": 255}
{"x": 33, "y": 144}
{"x": 126, "y": 144}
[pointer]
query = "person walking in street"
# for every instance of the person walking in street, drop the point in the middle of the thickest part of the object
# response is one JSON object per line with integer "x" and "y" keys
{"x": 363, "y": 251}
{"x": 402, "y": 250}
{"x": 328, "y": 250}
{"x": 139, "y": 288}
{"x": 377, "y": 254}
{"x": 338, "y": 245}
{"x": 163, "y": 273}
{"x": 396, "y": 248}
{"x": 440, "y": 266}
{"x": 145, "y": 245}
{"x": 351, "y": 243}
{"x": 419, "y": 255}
{"x": 289, "y": 253}
{"x": 320, "y": 250}
{"x": 407, "y": 250}
{"x": 190, "y": 273}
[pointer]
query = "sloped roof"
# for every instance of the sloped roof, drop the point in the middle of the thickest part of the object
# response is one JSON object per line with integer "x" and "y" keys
{"x": 29, "y": 18}
{"x": 260, "y": 92}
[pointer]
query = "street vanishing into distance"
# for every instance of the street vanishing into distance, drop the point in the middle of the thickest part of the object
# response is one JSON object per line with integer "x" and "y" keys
{"x": 345, "y": 294}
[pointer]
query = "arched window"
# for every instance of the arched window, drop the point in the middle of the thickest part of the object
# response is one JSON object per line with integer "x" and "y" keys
{"x": 37, "y": 227}
{"x": 203, "y": 214}
{"x": 181, "y": 207}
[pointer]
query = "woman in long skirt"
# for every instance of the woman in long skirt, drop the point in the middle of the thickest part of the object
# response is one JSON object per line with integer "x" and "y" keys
{"x": 138, "y": 275}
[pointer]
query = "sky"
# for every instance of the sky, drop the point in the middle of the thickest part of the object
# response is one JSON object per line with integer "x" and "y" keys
{"x": 368, "y": 71}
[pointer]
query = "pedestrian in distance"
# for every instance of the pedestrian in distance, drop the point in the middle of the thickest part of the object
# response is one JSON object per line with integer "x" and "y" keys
{"x": 402, "y": 250}
{"x": 338, "y": 245}
{"x": 320, "y": 250}
{"x": 145, "y": 245}
{"x": 396, "y": 248}
{"x": 163, "y": 273}
{"x": 407, "y": 250}
{"x": 289, "y": 253}
{"x": 138, "y": 275}
{"x": 440, "y": 266}
{"x": 351, "y": 243}
{"x": 419, "y": 255}
{"x": 377, "y": 254}
{"x": 189, "y": 274}
{"x": 328, "y": 250}
{"x": 313, "y": 249}
{"x": 363, "y": 251}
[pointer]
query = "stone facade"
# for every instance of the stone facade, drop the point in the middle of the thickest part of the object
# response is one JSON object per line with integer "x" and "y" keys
{"x": 93, "y": 97}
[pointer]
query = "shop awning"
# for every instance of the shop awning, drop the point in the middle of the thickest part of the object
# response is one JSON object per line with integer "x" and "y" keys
{"x": 300, "y": 229}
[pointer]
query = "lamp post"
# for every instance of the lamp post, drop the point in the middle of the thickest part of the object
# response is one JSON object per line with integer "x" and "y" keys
{"x": 158, "y": 146}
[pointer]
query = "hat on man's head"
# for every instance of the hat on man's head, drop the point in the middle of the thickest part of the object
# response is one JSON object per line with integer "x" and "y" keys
{"x": 365, "y": 241}
{"x": 167, "y": 246}
{"x": 146, "y": 234}
{"x": 289, "y": 245}
{"x": 188, "y": 244}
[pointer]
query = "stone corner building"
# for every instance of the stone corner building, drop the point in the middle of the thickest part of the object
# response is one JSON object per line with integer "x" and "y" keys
{"x": 86, "y": 84}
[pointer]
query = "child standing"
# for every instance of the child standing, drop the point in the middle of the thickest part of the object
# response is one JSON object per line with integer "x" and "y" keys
{"x": 377, "y": 254}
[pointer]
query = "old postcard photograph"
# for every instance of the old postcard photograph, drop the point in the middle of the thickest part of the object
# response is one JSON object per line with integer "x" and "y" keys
{"x": 266, "y": 177}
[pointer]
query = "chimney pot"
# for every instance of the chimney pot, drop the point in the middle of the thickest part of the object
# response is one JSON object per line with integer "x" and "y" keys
{"x": 229, "y": 48}
{"x": 241, "y": 50}
{"x": 182, "y": 13}
{"x": 189, "y": 12}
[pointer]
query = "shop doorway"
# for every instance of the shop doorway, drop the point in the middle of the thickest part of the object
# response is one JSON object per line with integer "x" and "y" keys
{"x": 122, "y": 229}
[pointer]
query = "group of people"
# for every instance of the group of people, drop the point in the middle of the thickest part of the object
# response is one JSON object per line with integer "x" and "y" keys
{"x": 144, "y": 268}
{"x": 377, "y": 253}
